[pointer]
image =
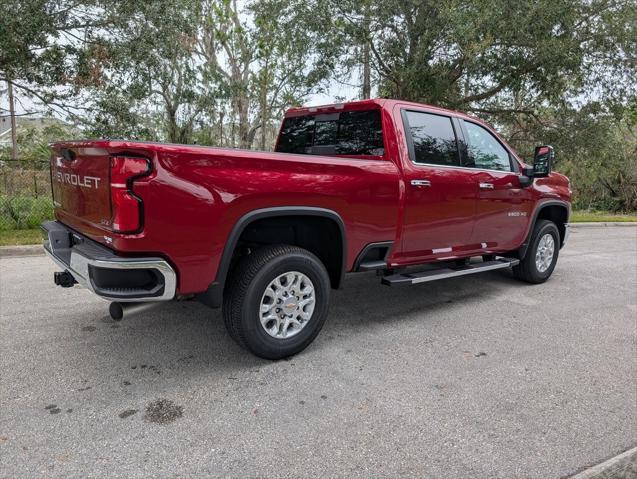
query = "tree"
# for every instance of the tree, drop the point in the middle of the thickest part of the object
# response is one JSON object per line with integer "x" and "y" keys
{"x": 288, "y": 65}
{"x": 51, "y": 44}
{"x": 596, "y": 148}
{"x": 261, "y": 58}
{"x": 153, "y": 74}
{"x": 478, "y": 54}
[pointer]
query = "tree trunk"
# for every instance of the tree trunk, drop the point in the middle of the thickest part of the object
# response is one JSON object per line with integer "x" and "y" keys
{"x": 221, "y": 115}
{"x": 14, "y": 137}
{"x": 367, "y": 85}
{"x": 244, "y": 121}
{"x": 264, "y": 113}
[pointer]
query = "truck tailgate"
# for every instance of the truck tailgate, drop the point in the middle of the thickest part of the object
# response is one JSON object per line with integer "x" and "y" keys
{"x": 80, "y": 184}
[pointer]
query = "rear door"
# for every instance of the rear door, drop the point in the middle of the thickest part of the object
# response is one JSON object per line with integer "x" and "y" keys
{"x": 440, "y": 196}
{"x": 503, "y": 206}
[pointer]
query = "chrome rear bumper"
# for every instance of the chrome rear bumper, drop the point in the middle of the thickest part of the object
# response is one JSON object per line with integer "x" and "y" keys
{"x": 106, "y": 274}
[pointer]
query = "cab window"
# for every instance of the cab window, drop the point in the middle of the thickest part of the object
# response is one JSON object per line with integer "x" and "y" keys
{"x": 345, "y": 133}
{"x": 484, "y": 151}
{"x": 431, "y": 138}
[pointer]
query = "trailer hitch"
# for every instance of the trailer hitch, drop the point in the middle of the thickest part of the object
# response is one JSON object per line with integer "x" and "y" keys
{"x": 64, "y": 279}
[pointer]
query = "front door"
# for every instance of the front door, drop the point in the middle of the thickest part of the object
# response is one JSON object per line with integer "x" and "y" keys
{"x": 503, "y": 207}
{"x": 440, "y": 197}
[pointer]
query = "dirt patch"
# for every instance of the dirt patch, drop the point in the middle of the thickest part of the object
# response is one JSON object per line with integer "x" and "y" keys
{"x": 163, "y": 411}
{"x": 127, "y": 413}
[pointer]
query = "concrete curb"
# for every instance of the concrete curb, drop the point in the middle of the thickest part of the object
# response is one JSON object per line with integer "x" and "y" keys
{"x": 602, "y": 224}
{"x": 623, "y": 466}
{"x": 27, "y": 250}
{"x": 36, "y": 250}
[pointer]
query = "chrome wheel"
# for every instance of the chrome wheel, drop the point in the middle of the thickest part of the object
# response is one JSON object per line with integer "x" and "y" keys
{"x": 545, "y": 252}
{"x": 287, "y": 305}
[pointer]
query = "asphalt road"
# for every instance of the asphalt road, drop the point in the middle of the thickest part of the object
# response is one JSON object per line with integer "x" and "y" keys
{"x": 474, "y": 377}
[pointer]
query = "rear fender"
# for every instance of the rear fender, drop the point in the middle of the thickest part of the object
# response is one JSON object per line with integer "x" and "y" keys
{"x": 213, "y": 296}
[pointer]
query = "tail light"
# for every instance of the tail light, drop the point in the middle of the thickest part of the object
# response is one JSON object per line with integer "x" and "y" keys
{"x": 127, "y": 207}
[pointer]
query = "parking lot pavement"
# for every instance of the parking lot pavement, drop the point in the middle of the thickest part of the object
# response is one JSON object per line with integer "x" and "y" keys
{"x": 472, "y": 377}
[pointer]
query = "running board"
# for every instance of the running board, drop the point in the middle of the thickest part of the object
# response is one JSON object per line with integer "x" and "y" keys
{"x": 442, "y": 273}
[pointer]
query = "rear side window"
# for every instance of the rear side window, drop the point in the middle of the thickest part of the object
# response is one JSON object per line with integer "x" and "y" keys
{"x": 433, "y": 139}
{"x": 484, "y": 150}
{"x": 346, "y": 133}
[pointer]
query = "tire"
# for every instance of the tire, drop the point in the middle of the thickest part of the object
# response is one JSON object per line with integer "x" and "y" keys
{"x": 531, "y": 268}
{"x": 257, "y": 280}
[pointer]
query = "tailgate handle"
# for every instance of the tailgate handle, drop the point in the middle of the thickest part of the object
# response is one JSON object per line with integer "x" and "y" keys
{"x": 67, "y": 154}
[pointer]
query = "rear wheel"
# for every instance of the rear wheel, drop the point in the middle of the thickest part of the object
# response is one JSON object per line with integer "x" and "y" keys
{"x": 276, "y": 301}
{"x": 541, "y": 257}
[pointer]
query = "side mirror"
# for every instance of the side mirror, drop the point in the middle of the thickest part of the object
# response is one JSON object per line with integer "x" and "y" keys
{"x": 526, "y": 178}
{"x": 543, "y": 161}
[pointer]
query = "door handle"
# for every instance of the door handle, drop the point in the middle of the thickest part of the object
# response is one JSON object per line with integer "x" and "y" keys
{"x": 420, "y": 183}
{"x": 486, "y": 186}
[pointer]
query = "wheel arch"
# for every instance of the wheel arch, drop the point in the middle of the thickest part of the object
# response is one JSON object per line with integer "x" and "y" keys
{"x": 335, "y": 263}
{"x": 556, "y": 211}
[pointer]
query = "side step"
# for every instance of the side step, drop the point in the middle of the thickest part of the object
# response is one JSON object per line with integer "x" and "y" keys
{"x": 442, "y": 273}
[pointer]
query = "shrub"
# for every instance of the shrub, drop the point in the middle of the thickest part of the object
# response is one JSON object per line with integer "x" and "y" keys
{"x": 24, "y": 212}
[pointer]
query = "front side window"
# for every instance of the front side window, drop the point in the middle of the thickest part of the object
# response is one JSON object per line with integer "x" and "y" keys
{"x": 346, "y": 133}
{"x": 433, "y": 139}
{"x": 484, "y": 150}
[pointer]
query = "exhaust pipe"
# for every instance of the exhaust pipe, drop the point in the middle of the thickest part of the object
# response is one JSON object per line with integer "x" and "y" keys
{"x": 117, "y": 310}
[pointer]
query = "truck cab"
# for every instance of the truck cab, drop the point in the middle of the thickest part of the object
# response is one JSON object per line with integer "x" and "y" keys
{"x": 464, "y": 191}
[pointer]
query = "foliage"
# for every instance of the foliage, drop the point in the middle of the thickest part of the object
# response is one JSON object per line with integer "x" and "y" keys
{"x": 221, "y": 72}
{"x": 52, "y": 49}
{"x": 596, "y": 148}
{"x": 543, "y": 71}
{"x": 151, "y": 86}
{"x": 24, "y": 212}
{"x": 601, "y": 217}
{"x": 33, "y": 141}
{"x": 481, "y": 54}
{"x": 20, "y": 237}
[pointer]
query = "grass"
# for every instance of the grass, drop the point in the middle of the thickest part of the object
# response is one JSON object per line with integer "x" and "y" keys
{"x": 32, "y": 236}
{"x": 601, "y": 216}
{"x": 20, "y": 237}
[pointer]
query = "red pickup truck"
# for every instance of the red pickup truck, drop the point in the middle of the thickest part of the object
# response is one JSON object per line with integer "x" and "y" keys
{"x": 415, "y": 192}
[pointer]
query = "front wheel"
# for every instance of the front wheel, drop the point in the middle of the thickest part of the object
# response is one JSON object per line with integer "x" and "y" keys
{"x": 276, "y": 301}
{"x": 541, "y": 257}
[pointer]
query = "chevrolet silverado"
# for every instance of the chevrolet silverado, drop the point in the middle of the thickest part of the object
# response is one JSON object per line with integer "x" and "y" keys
{"x": 415, "y": 192}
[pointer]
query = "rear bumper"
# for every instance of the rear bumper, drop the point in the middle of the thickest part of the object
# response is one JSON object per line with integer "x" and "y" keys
{"x": 106, "y": 274}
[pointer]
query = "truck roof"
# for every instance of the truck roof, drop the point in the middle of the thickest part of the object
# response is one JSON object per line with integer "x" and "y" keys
{"x": 373, "y": 103}
{"x": 388, "y": 105}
